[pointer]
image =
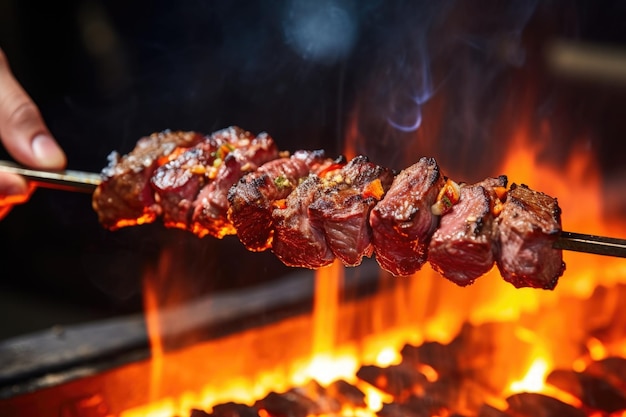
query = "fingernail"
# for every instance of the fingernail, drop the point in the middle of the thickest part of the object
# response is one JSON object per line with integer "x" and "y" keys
{"x": 48, "y": 152}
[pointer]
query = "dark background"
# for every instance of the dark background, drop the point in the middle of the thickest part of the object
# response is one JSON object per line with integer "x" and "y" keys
{"x": 312, "y": 74}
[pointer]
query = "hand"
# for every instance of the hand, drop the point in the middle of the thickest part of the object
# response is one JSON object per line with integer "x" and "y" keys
{"x": 25, "y": 136}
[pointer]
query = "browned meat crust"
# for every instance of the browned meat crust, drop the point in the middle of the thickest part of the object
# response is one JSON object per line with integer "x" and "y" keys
{"x": 327, "y": 215}
{"x": 297, "y": 241}
{"x": 462, "y": 248}
{"x": 402, "y": 223}
{"x": 125, "y": 196}
{"x": 210, "y": 214}
{"x": 343, "y": 207}
{"x": 528, "y": 226}
{"x": 178, "y": 182}
{"x": 252, "y": 198}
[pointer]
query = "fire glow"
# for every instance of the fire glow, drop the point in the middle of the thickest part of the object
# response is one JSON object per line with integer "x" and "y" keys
{"x": 534, "y": 331}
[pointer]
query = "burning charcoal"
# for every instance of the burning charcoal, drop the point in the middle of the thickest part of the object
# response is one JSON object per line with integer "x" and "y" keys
{"x": 347, "y": 393}
{"x": 612, "y": 329}
{"x": 613, "y": 369}
{"x": 599, "y": 308}
{"x": 199, "y": 413}
{"x": 326, "y": 404}
{"x": 594, "y": 392}
{"x": 288, "y": 404}
{"x": 457, "y": 393}
{"x": 432, "y": 406}
{"x": 489, "y": 411}
{"x": 230, "y": 409}
{"x": 413, "y": 406}
{"x": 442, "y": 358}
{"x": 395, "y": 380}
{"x": 399, "y": 410}
{"x": 444, "y": 391}
{"x": 528, "y": 404}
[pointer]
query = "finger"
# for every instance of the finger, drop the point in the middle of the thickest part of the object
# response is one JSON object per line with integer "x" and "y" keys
{"x": 13, "y": 190}
{"x": 22, "y": 129}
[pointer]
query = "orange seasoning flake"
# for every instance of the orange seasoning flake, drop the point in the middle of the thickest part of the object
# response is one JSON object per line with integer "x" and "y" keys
{"x": 498, "y": 203}
{"x": 497, "y": 207}
{"x": 329, "y": 169}
{"x": 179, "y": 150}
{"x": 374, "y": 189}
{"x": 448, "y": 196}
{"x": 224, "y": 150}
{"x": 280, "y": 204}
{"x": 500, "y": 192}
{"x": 198, "y": 169}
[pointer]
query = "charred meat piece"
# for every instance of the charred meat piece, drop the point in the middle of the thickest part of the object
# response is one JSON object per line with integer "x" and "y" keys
{"x": 403, "y": 223}
{"x": 462, "y": 248}
{"x": 210, "y": 214}
{"x": 217, "y": 162}
{"x": 343, "y": 207}
{"x": 252, "y": 198}
{"x": 178, "y": 182}
{"x": 529, "y": 224}
{"x": 298, "y": 242}
{"x": 125, "y": 197}
{"x": 327, "y": 215}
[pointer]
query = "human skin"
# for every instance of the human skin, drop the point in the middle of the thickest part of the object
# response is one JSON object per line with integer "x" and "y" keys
{"x": 25, "y": 136}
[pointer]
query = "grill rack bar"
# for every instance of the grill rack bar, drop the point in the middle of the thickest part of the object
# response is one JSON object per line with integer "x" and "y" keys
{"x": 87, "y": 182}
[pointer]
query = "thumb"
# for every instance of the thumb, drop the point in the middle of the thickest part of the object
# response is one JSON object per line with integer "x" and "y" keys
{"x": 22, "y": 129}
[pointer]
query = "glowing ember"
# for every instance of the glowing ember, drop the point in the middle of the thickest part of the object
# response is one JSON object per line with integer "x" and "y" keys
{"x": 145, "y": 219}
{"x": 388, "y": 356}
{"x": 596, "y": 349}
{"x": 375, "y": 398}
{"x": 534, "y": 380}
{"x": 429, "y": 372}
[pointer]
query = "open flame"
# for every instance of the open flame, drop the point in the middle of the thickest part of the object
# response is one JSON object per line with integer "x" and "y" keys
{"x": 534, "y": 380}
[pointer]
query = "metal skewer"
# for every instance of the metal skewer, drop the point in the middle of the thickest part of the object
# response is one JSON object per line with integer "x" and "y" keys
{"x": 61, "y": 180}
{"x": 88, "y": 181}
{"x": 598, "y": 245}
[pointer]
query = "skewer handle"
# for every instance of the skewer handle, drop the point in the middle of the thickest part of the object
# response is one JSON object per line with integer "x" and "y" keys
{"x": 63, "y": 180}
{"x": 598, "y": 245}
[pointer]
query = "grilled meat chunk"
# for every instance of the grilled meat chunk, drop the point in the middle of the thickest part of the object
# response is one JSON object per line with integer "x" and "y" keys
{"x": 125, "y": 197}
{"x": 327, "y": 215}
{"x": 178, "y": 182}
{"x": 212, "y": 166}
{"x": 343, "y": 206}
{"x": 462, "y": 248}
{"x": 252, "y": 198}
{"x": 529, "y": 224}
{"x": 297, "y": 241}
{"x": 403, "y": 223}
{"x": 210, "y": 214}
